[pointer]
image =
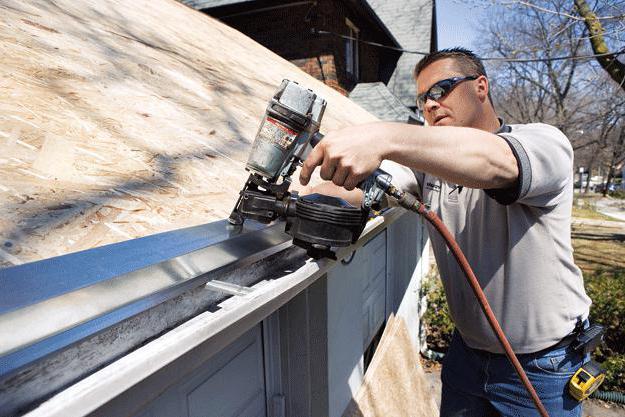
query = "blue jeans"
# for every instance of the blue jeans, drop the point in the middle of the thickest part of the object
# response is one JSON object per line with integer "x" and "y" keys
{"x": 482, "y": 384}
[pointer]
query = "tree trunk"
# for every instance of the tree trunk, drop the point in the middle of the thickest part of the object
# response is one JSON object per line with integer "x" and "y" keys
{"x": 610, "y": 63}
{"x": 617, "y": 151}
{"x": 591, "y": 164}
{"x": 608, "y": 182}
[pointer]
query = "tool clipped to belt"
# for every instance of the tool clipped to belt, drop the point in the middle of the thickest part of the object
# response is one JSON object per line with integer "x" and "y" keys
{"x": 587, "y": 378}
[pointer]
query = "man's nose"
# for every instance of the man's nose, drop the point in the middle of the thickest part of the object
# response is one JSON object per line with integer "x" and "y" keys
{"x": 431, "y": 105}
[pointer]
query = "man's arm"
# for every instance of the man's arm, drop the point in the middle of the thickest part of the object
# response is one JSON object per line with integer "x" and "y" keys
{"x": 465, "y": 156}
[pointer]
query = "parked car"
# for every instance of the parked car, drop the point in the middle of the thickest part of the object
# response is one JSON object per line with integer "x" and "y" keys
{"x": 600, "y": 187}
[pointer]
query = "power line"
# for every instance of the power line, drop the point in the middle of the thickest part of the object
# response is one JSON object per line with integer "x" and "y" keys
{"x": 500, "y": 59}
{"x": 557, "y": 58}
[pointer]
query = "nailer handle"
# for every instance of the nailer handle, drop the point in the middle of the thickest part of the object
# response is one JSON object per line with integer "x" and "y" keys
{"x": 316, "y": 138}
{"x": 378, "y": 173}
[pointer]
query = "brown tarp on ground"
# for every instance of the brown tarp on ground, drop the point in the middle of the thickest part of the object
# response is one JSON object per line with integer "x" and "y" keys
{"x": 120, "y": 119}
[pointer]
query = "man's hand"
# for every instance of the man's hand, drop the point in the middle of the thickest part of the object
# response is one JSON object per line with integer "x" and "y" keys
{"x": 347, "y": 156}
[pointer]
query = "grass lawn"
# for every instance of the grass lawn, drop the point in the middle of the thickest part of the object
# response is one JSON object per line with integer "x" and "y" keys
{"x": 586, "y": 212}
{"x": 598, "y": 249}
{"x": 584, "y": 207}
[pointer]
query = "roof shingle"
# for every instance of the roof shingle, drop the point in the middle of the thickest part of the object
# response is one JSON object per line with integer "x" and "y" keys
{"x": 379, "y": 101}
{"x": 410, "y": 22}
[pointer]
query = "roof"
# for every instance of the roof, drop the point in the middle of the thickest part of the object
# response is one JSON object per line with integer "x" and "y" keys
{"x": 120, "y": 121}
{"x": 377, "y": 99}
{"x": 410, "y": 22}
{"x": 206, "y": 5}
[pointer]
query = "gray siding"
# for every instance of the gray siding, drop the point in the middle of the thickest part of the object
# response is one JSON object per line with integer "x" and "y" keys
{"x": 230, "y": 384}
{"x": 363, "y": 291}
{"x": 349, "y": 323}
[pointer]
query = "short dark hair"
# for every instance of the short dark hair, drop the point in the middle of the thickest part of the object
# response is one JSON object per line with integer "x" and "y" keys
{"x": 467, "y": 61}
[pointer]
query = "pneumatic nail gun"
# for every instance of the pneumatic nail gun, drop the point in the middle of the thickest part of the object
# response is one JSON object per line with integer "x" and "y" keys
{"x": 287, "y": 133}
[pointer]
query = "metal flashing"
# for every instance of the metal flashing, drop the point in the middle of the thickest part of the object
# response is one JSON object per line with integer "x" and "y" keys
{"x": 63, "y": 310}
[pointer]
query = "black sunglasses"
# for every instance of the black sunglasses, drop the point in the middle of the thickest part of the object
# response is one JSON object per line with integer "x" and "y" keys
{"x": 440, "y": 89}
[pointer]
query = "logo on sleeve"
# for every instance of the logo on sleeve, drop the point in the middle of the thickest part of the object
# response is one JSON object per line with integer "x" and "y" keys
{"x": 432, "y": 187}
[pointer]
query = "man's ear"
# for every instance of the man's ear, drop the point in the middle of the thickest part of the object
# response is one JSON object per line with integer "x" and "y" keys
{"x": 482, "y": 87}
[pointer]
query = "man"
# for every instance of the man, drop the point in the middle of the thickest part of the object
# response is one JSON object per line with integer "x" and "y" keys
{"x": 505, "y": 192}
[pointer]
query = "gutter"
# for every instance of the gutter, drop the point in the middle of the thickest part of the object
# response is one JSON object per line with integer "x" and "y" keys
{"x": 37, "y": 320}
{"x": 95, "y": 307}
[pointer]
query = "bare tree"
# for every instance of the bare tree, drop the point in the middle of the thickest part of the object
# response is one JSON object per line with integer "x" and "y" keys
{"x": 608, "y": 60}
{"x": 539, "y": 89}
{"x": 545, "y": 73}
{"x": 604, "y": 22}
{"x": 603, "y": 146}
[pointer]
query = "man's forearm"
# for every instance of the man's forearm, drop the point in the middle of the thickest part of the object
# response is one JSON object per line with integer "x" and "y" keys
{"x": 465, "y": 156}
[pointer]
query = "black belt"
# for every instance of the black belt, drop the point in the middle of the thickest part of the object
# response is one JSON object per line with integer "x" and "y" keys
{"x": 570, "y": 338}
{"x": 566, "y": 340}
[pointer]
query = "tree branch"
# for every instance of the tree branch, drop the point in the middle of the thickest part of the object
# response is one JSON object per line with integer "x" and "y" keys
{"x": 610, "y": 63}
{"x": 570, "y": 16}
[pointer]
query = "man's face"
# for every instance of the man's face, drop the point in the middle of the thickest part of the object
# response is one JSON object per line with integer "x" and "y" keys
{"x": 460, "y": 106}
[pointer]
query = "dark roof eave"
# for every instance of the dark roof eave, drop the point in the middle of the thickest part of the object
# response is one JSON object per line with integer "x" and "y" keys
{"x": 369, "y": 10}
{"x": 358, "y": 4}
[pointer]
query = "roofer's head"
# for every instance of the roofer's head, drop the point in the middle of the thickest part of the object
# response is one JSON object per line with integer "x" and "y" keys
{"x": 453, "y": 89}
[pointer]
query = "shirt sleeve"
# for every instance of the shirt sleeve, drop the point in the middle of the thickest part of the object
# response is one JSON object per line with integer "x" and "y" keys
{"x": 545, "y": 159}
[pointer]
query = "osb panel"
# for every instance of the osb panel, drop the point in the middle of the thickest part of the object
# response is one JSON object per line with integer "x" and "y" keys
{"x": 395, "y": 383}
{"x": 121, "y": 119}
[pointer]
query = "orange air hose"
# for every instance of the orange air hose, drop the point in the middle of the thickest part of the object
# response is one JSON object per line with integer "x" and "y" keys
{"x": 410, "y": 202}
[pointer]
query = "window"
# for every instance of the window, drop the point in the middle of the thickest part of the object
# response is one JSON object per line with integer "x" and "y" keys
{"x": 351, "y": 50}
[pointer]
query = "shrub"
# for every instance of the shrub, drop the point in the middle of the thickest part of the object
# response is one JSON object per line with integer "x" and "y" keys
{"x": 607, "y": 291}
{"x": 438, "y": 324}
{"x": 614, "y": 367}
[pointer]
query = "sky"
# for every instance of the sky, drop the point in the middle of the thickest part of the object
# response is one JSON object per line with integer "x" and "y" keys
{"x": 457, "y": 22}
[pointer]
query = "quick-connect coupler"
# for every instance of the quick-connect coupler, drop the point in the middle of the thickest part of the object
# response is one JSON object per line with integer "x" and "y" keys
{"x": 404, "y": 199}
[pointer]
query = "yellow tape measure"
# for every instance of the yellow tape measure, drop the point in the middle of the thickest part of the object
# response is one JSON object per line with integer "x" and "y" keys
{"x": 586, "y": 380}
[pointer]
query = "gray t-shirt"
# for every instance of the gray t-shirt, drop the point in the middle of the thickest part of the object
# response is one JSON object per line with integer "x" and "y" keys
{"x": 517, "y": 240}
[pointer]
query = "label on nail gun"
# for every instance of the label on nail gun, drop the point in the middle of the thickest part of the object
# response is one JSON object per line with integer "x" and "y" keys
{"x": 275, "y": 132}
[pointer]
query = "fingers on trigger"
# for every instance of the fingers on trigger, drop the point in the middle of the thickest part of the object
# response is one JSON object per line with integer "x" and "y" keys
{"x": 352, "y": 181}
{"x": 327, "y": 169}
{"x": 340, "y": 175}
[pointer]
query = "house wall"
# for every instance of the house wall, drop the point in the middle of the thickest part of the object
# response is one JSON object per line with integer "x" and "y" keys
{"x": 288, "y": 31}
